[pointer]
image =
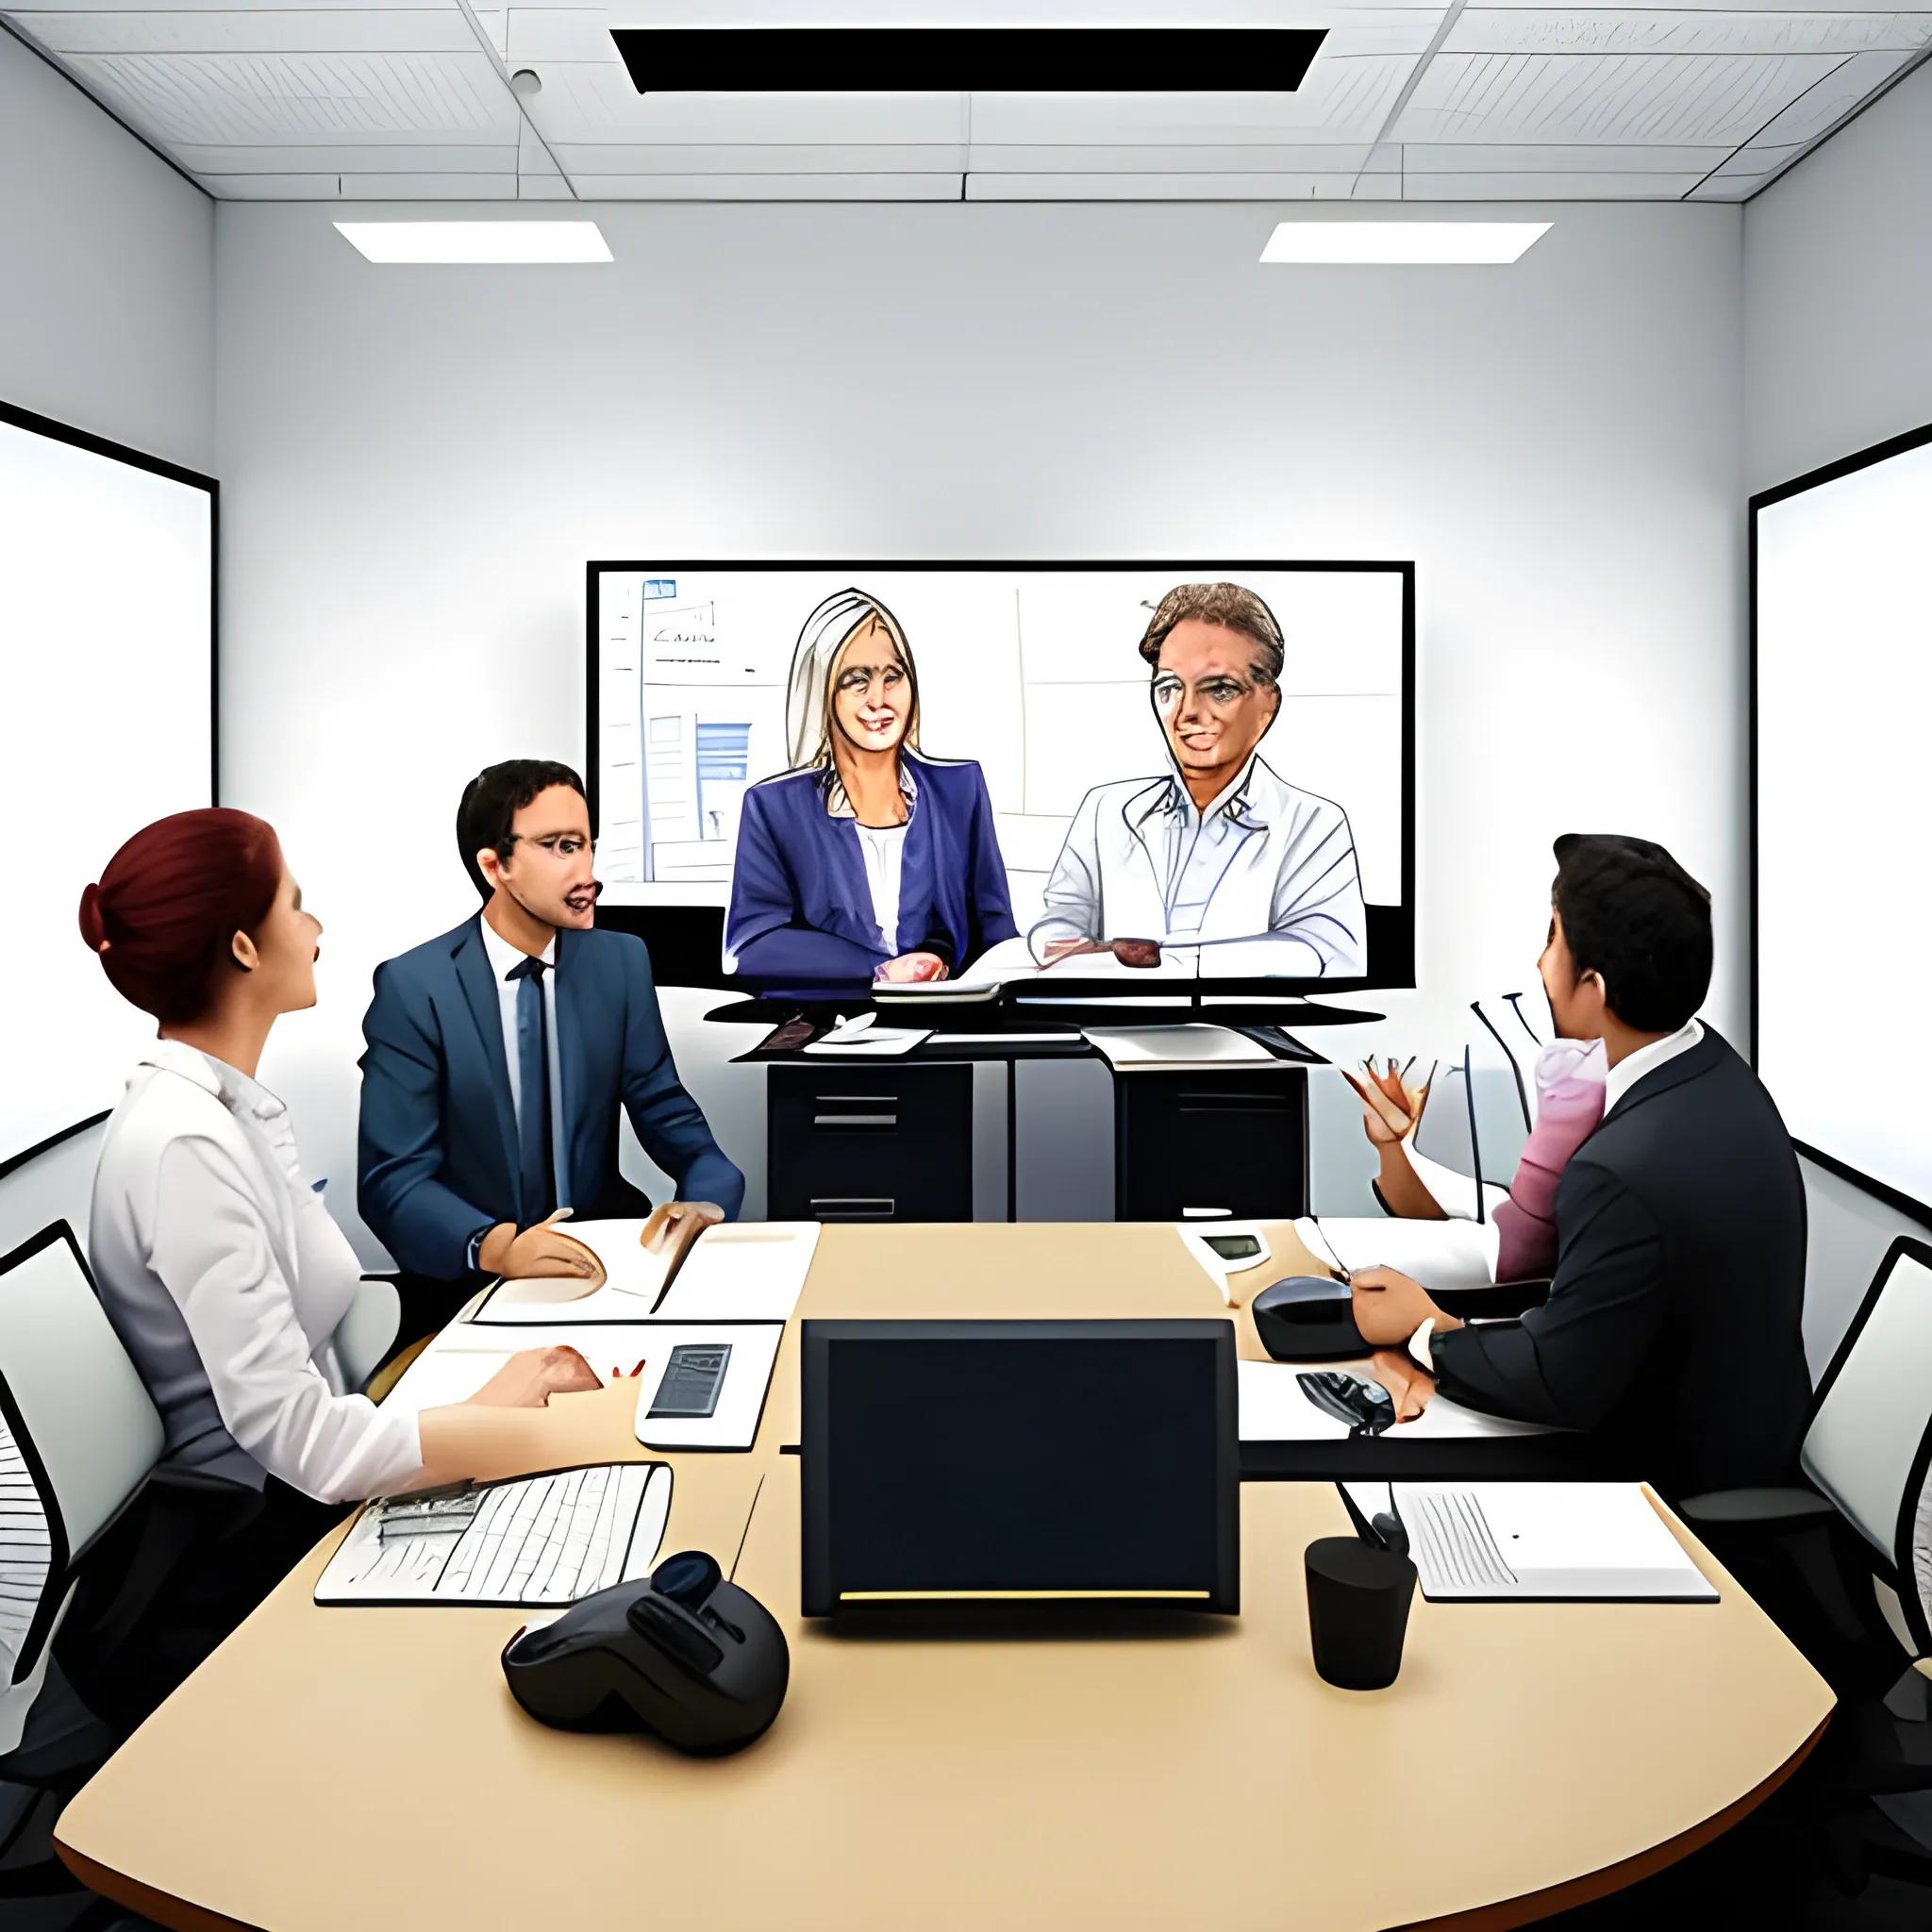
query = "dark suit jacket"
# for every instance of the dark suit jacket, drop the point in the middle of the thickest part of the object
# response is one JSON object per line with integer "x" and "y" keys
{"x": 1671, "y": 1326}
{"x": 437, "y": 1154}
{"x": 800, "y": 905}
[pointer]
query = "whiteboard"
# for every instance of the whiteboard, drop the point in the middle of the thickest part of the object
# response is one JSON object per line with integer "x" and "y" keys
{"x": 107, "y": 669}
{"x": 1844, "y": 607}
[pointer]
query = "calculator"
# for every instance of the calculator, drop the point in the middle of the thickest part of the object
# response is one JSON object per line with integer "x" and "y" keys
{"x": 692, "y": 1382}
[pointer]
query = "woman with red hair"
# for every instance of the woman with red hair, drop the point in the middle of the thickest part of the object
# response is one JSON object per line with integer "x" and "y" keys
{"x": 217, "y": 1261}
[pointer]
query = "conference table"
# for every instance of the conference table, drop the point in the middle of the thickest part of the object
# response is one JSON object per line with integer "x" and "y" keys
{"x": 367, "y": 1766}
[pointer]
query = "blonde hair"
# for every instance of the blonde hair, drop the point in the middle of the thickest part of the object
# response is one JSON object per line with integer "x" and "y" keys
{"x": 822, "y": 643}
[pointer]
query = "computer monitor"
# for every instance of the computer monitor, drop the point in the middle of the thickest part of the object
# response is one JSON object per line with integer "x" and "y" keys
{"x": 1052, "y": 723}
{"x": 1044, "y": 1463}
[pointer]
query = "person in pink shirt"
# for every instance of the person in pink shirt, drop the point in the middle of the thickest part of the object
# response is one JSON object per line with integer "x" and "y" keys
{"x": 1569, "y": 1077}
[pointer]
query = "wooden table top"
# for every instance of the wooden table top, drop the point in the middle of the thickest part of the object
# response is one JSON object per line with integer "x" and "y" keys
{"x": 367, "y": 1767}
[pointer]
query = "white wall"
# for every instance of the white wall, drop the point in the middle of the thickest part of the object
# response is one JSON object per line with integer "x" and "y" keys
{"x": 417, "y": 463}
{"x": 106, "y": 259}
{"x": 1837, "y": 356}
{"x": 1837, "y": 293}
{"x": 106, "y": 321}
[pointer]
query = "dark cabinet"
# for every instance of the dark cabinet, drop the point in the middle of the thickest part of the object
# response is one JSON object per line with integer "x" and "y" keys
{"x": 869, "y": 1143}
{"x": 1191, "y": 1146}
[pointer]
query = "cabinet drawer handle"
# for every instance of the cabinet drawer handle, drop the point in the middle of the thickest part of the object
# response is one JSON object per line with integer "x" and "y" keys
{"x": 857, "y": 1099}
{"x": 855, "y": 1119}
{"x": 1206, "y": 1213}
{"x": 853, "y": 1207}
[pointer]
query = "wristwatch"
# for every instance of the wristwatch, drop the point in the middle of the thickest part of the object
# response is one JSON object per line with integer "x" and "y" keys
{"x": 1419, "y": 1351}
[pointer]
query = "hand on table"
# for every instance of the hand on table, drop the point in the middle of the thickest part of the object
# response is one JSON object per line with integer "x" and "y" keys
{"x": 911, "y": 967}
{"x": 1407, "y": 1382}
{"x": 537, "y": 1252}
{"x": 675, "y": 1225}
{"x": 533, "y": 1375}
{"x": 1389, "y": 1308}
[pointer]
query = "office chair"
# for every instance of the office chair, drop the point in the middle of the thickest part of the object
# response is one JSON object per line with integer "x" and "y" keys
{"x": 1837, "y": 1565}
{"x": 78, "y": 1438}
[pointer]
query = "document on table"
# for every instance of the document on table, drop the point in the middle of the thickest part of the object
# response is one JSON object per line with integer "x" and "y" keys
{"x": 1444, "y": 1255}
{"x": 1275, "y": 1409}
{"x": 536, "y": 1539}
{"x": 465, "y": 1355}
{"x": 634, "y": 1278}
{"x": 746, "y": 1271}
{"x": 1484, "y": 1543}
{"x": 1169, "y": 1049}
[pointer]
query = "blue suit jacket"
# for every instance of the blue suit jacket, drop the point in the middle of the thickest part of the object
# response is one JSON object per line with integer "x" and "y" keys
{"x": 437, "y": 1153}
{"x": 800, "y": 903}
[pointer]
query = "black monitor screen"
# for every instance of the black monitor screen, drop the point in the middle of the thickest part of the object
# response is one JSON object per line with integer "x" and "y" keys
{"x": 990, "y": 1460}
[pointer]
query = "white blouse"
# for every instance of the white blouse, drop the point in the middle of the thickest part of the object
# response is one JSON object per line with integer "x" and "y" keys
{"x": 226, "y": 1279}
{"x": 884, "y": 847}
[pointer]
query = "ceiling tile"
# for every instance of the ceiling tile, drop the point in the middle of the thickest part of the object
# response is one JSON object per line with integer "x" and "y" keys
{"x": 254, "y": 97}
{"x": 253, "y": 30}
{"x": 1615, "y": 30}
{"x": 1615, "y": 97}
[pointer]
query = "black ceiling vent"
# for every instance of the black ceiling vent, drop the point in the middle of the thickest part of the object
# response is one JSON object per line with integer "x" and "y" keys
{"x": 968, "y": 59}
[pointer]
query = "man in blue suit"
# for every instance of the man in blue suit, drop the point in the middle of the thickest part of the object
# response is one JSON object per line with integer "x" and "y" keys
{"x": 498, "y": 1056}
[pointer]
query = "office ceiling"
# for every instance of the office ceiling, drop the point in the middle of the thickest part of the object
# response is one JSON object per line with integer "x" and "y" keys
{"x": 1474, "y": 101}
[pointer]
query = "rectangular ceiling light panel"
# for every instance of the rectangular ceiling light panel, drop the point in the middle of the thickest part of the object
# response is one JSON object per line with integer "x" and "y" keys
{"x": 486, "y": 243}
{"x": 1386, "y": 242}
{"x": 967, "y": 60}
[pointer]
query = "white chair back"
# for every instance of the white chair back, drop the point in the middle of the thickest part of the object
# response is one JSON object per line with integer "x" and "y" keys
{"x": 364, "y": 1335}
{"x": 1873, "y": 1407}
{"x": 79, "y": 1398}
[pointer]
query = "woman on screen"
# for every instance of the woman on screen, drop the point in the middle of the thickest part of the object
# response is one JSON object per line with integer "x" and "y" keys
{"x": 216, "y": 1259}
{"x": 868, "y": 859}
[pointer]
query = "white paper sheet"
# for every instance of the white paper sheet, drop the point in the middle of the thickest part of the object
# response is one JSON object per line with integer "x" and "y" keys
{"x": 747, "y": 1271}
{"x": 1486, "y": 1542}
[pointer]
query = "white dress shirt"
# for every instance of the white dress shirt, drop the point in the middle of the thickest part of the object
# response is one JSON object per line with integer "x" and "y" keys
{"x": 225, "y": 1278}
{"x": 504, "y": 959}
{"x": 1647, "y": 1060}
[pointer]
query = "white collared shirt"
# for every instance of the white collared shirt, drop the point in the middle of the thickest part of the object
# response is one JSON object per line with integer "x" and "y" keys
{"x": 1200, "y": 844}
{"x": 883, "y": 848}
{"x": 1647, "y": 1060}
{"x": 504, "y": 959}
{"x": 226, "y": 1279}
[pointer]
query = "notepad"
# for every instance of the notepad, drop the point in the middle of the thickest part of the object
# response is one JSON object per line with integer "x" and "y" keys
{"x": 1484, "y": 1543}
{"x": 1176, "y": 1049}
{"x": 536, "y": 1539}
{"x": 748, "y": 1271}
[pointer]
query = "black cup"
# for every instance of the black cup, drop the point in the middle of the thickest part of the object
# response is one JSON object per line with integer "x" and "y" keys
{"x": 1358, "y": 1598}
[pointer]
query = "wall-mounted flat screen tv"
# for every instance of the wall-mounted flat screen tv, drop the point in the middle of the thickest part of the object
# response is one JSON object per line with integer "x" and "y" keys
{"x": 832, "y": 773}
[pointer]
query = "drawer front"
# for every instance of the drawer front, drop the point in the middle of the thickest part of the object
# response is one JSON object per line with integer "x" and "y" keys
{"x": 866, "y": 1144}
{"x": 1191, "y": 1146}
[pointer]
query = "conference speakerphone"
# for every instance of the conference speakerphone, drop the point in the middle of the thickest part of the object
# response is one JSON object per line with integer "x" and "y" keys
{"x": 1015, "y": 1463}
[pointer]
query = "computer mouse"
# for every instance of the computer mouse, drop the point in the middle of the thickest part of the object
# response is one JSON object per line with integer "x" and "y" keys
{"x": 687, "y": 1655}
{"x": 1309, "y": 1318}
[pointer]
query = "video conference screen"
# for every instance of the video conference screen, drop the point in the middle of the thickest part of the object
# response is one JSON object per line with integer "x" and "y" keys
{"x": 106, "y": 631}
{"x": 1843, "y": 613}
{"x": 868, "y": 768}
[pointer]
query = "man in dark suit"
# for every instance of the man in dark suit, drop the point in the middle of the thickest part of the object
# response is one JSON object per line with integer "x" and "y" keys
{"x": 1672, "y": 1327}
{"x": 498, "y": 1056}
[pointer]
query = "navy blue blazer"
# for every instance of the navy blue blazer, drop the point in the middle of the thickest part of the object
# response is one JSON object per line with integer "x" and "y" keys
{"x": 437, "y": 1151}
{"x": 800, "y": 903}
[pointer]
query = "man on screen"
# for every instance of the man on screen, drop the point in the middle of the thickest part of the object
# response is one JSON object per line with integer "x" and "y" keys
{"x": 1219, "y": 851}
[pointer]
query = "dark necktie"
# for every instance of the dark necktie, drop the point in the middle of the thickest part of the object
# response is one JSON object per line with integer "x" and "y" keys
{"x": 533, "y": 1076}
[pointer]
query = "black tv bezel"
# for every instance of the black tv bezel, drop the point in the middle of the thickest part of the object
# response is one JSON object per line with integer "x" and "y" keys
{"x": 687, "y": 941}
{"x": 18, "y": 417}
{"x": 1866, "y": 459}
{"x": 819, "y": 1336}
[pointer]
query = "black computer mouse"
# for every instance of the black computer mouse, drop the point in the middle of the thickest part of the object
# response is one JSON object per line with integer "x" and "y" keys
{"x": 688, "y": 1656}
{"x": 1309, "y": 1318}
